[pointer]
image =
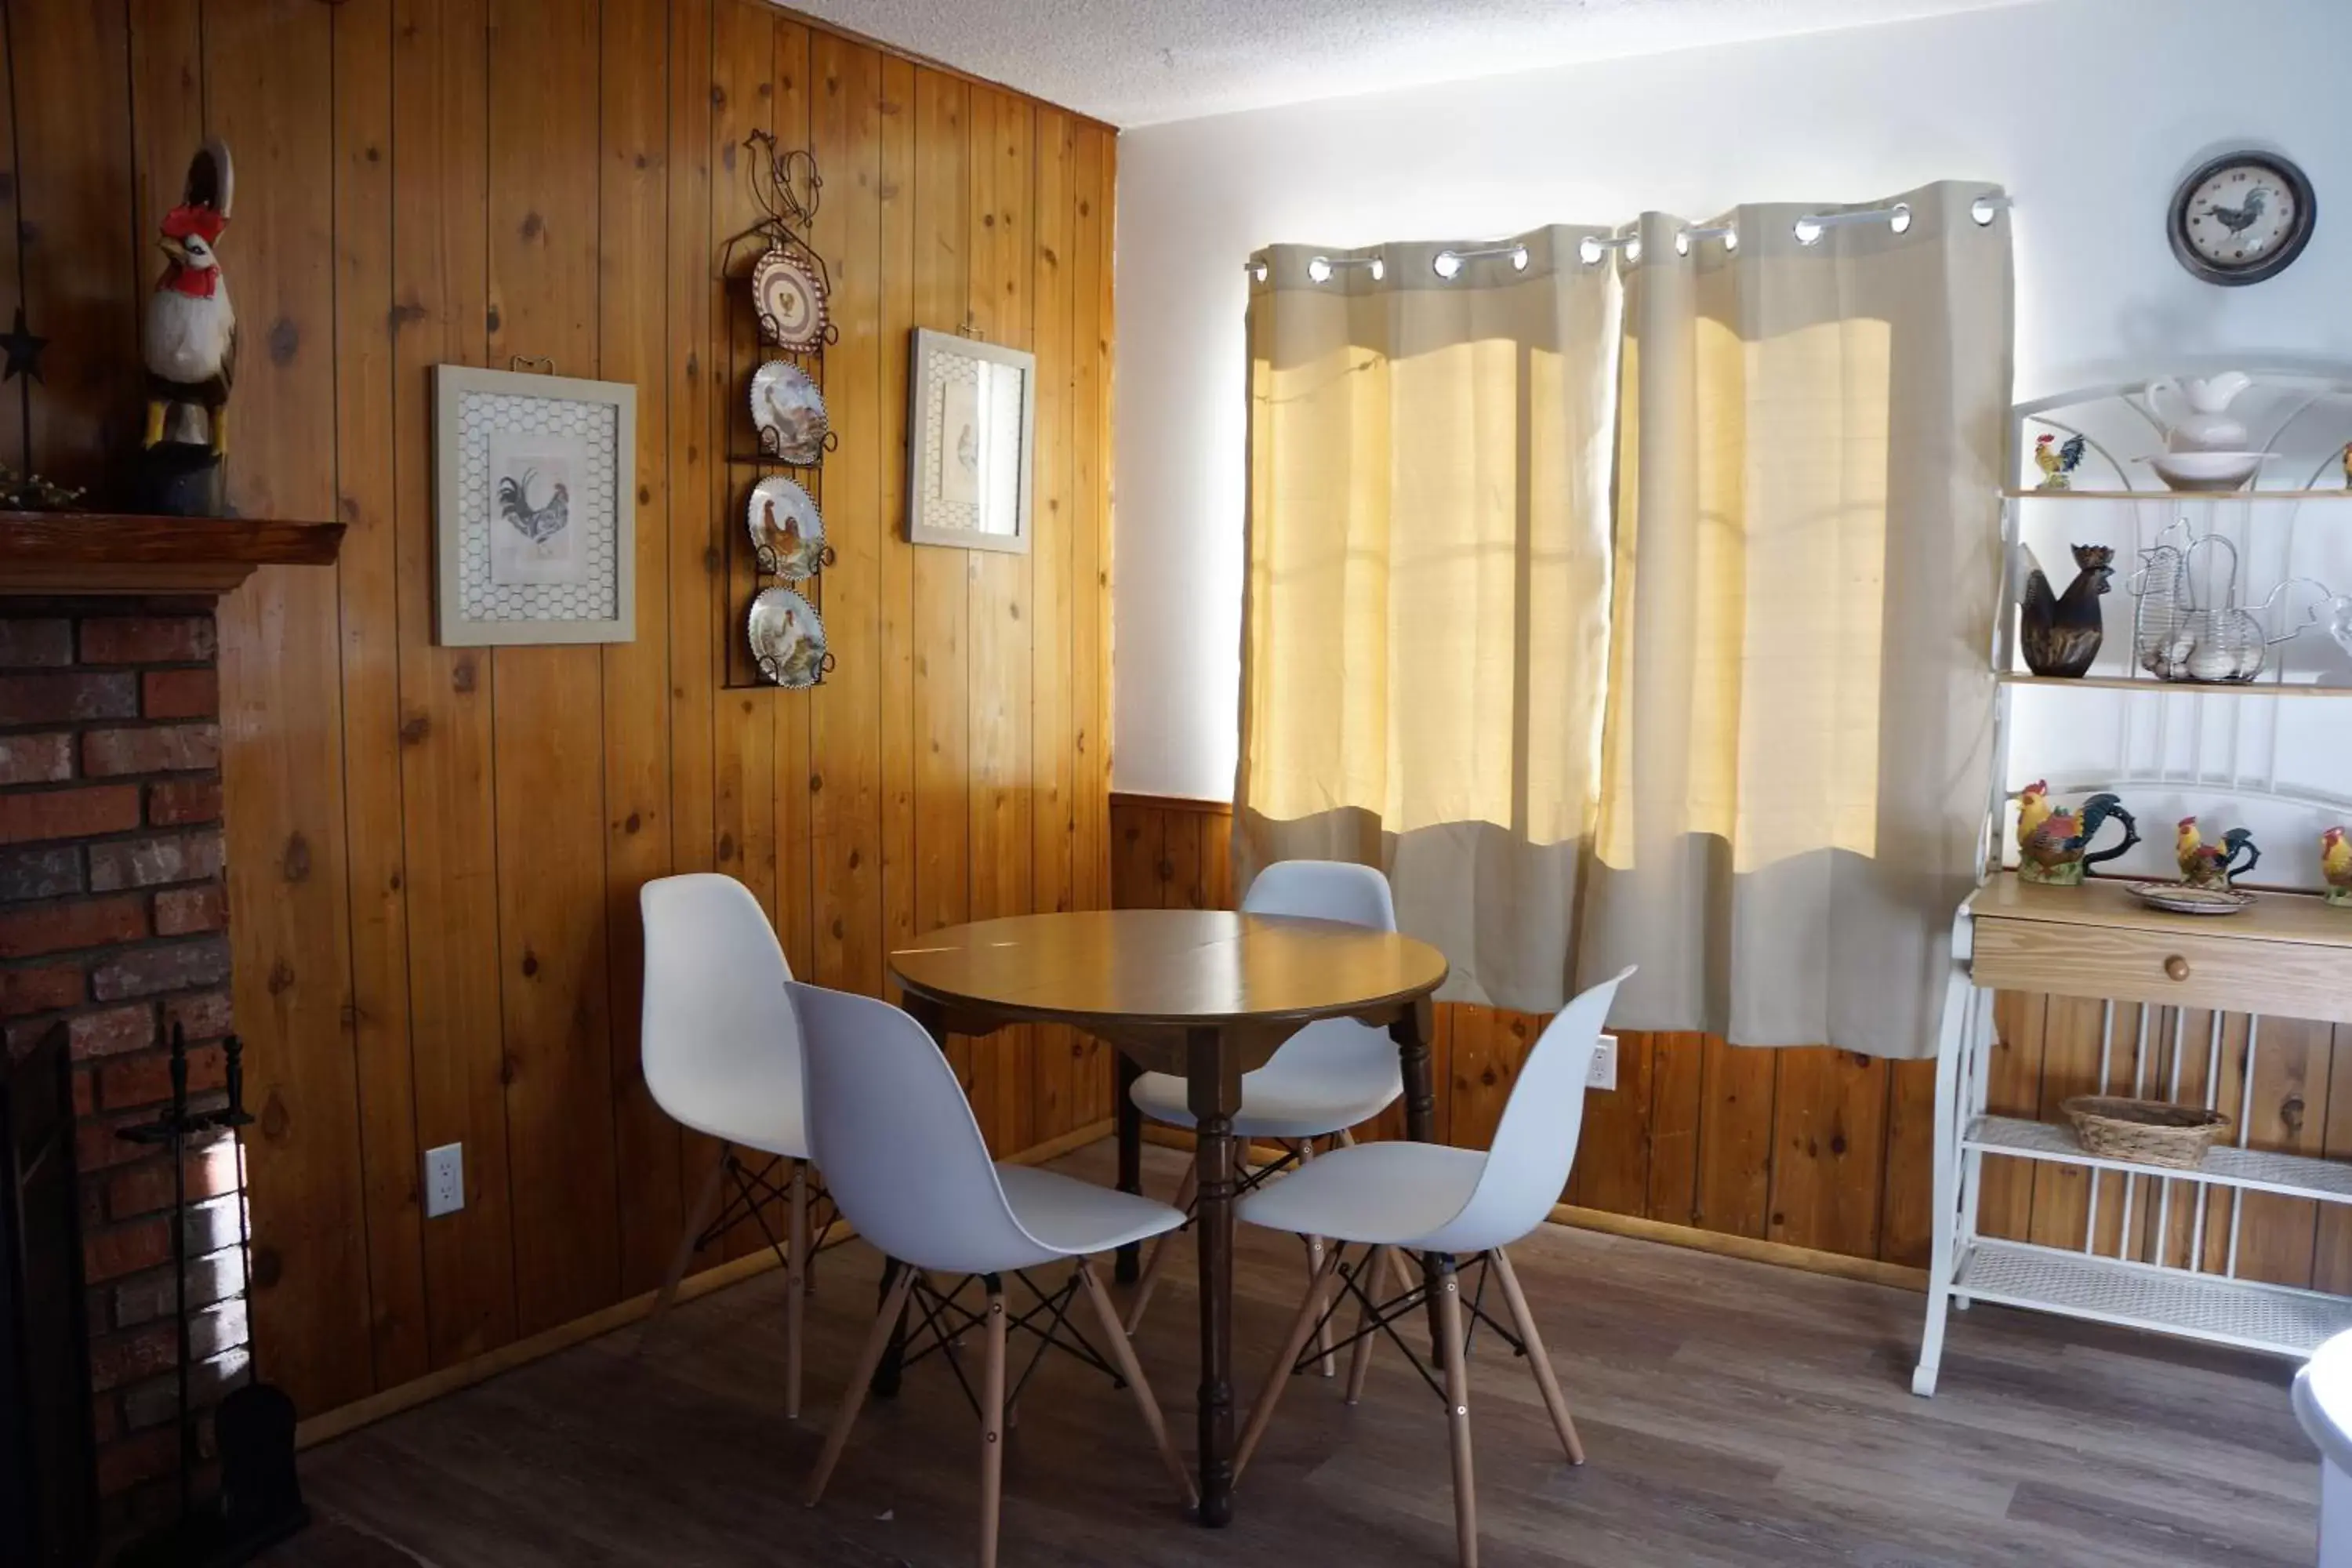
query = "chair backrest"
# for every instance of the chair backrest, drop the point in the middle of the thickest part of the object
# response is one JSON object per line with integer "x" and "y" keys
{"x": 1535, "y": 1144}
{"x": 718, "y": 1029}
{"x": 901, "y": 1154}
{"x": 1324, "y": 890}
{"x": 1329, "y": 891}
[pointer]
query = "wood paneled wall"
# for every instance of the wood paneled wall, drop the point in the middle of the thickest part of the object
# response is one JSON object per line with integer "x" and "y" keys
{"x": 1832, "y": 1150}
{"x": 435, "y": 852}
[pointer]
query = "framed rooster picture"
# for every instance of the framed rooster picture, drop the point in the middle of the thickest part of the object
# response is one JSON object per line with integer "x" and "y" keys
{"x": 533, "y": 530}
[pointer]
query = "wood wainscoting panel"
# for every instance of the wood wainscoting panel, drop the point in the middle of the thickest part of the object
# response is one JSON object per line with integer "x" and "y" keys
{"x": 436, "y": 853}
{"x": 1811, "y": 1151}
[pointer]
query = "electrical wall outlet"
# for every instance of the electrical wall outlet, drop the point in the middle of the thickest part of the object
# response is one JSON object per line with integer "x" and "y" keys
{"x": 445, "y": 1180}
{"x": 1603, "y": 1073}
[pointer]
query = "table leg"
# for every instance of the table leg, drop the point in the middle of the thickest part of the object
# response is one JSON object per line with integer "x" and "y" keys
{"x": 887, "y": 1370}
{"x": 1412, "y": 1031}
{"x": 1213, "y": 1091}
{"x": 1130, "y": 1157}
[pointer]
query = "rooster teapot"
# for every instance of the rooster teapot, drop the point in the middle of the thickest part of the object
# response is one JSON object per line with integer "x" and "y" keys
{"x": 2194, "y": 411}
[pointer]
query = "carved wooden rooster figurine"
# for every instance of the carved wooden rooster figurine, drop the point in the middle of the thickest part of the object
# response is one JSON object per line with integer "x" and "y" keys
{"x": 191, "y": 338}
{"x": 2061, "y": 633}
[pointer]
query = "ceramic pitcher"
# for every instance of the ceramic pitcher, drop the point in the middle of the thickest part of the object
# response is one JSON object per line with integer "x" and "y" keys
{"x": 2194, "y": 411}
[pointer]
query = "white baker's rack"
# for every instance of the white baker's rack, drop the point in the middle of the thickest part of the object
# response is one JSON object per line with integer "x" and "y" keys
{"x": 2184, "y": 742}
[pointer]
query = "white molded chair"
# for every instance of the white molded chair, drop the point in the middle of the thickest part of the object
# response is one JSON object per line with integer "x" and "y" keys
{"x": 907, "y": 1165}
{"x": 1454, "y": 1206}
{"x": 721, "y": 1052}
{"x": 1328, "y": 1078}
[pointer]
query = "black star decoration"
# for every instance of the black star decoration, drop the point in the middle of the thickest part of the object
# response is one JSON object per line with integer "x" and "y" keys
{"x": 24, "y": 348}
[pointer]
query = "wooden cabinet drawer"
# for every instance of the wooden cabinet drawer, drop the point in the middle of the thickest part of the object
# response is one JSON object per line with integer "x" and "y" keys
{"x": 2171, "y": 968}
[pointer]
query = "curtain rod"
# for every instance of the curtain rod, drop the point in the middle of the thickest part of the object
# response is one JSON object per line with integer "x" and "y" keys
{"x": 1808, "y": 228}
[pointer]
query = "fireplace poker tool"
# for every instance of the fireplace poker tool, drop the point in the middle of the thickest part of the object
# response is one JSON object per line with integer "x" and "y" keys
{"x": 260, "y": 1502}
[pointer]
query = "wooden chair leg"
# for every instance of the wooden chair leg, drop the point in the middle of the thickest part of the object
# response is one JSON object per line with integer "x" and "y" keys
{"x": 1185, "y": 1191}
{"x": 796, "y": 1262}
{"x": 1360, "y": 1360}
{"x": 853, "y": 1398}
{"x": 992, "y": 1426}
{"x": 1546, "y": 1381}
{"x": 706, "y": 1208}
{"x": 1302, "y": 1328}
{"x": 1457, "y": 1411}
{"x": 1122, "y": 1355}
{"x": 1314, "y": 1267}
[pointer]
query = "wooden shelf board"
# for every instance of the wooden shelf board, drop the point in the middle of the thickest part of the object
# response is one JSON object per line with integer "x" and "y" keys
{"x": 2305, "y": 917}
{"x": 2272, "y": 1317}
{"x": 2024, "y": 492}
{"x": 2256, "y": 1169}
{"x": 2177, "y": 687}
{"x": 114, "y": 552}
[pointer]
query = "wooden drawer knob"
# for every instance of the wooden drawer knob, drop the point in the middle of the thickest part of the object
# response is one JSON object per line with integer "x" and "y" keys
{"x": 2176, "y": 967}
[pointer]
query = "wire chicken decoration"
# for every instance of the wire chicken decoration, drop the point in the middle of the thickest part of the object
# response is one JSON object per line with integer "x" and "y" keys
{"x": 2175, "y": 636}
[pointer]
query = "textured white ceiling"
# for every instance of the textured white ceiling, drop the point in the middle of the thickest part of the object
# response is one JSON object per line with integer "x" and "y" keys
{"x": 1138, "y": 62}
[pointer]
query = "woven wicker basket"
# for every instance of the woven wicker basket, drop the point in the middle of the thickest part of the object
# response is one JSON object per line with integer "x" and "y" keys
{"x": 2149, "y": 1132}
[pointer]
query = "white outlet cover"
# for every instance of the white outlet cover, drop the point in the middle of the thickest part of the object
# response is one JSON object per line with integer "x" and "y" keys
{"x": 445, "y": 1180}
{"x": 1603, "y": 1073}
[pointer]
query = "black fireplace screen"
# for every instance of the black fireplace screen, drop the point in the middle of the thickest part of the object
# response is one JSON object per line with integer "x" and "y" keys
{"x": 47, "y": 1513}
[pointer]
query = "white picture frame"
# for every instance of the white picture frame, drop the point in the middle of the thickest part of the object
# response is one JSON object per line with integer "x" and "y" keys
{"x": 534, "y": 514}
{"x": 971, "y": 433}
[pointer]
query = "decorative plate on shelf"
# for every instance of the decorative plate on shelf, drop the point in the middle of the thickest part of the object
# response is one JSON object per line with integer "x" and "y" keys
{"x": 787, "y": 533}
{"x": 2181, "y": 899}
{"x": 790, "y": 298}
{"x": 788, "y": 412}
{"x": 787, "y": 639}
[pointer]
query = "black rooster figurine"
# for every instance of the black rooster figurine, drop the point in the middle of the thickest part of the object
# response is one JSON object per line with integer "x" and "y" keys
{"x": 2062, "y": 632}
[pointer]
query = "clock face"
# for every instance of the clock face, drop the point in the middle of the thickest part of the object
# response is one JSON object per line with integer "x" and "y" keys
{"x": 2241, "y": 218}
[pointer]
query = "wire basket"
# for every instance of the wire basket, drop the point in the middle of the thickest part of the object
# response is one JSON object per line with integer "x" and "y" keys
{"x": 2145, "y": 1131}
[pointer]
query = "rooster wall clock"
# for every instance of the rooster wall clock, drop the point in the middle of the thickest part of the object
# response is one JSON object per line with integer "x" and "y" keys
{"x": 2241, "y": 217}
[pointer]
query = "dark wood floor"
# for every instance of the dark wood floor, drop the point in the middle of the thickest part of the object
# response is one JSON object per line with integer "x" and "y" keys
{"x": 1735, "y": 1413}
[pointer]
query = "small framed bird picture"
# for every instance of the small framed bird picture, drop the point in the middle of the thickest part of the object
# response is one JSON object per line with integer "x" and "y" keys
{"x": 2241, "y": 217}
{"x": 534, "y": 521}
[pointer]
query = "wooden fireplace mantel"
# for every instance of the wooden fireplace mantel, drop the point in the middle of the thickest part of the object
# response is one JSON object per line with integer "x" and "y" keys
{"x": 110, "y": 553}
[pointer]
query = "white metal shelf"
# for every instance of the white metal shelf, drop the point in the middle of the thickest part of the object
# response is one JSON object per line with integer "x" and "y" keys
{"x": 2272, "y": 1317}
{"x": 2256, "y": 1169}
{"x": 2171, "y": 688}
{"x": 2169, "y": 498}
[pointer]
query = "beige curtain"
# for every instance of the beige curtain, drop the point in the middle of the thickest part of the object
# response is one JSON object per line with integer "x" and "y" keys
{"x": 1735, "y": 726}
{"x": 1798, "y": 735}
{"x": 1427, "y": 617}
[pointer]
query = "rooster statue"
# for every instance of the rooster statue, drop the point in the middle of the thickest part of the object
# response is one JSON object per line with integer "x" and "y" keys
{"x": 2204, "y": 865}
{"x": 2061, "y": 633}
{"x": 191, "y": 339}
{"x": 2052, "y": 851}
{"x": 2336, "y": 866}
{"x": 2057, "y": 461}
{"x": 2032, "y": 806}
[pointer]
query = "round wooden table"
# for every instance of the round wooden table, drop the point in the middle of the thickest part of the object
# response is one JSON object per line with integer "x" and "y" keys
{"x": 1206, "y": 994}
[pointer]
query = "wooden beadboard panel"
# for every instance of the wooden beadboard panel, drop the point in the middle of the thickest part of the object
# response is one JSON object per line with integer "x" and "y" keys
{"x": 435, "y": 852}
{"x": 1832, "y": 1152}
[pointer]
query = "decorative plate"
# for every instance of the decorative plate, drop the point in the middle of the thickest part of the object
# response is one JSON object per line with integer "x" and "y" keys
{"x": 2181, "y": 899}
{"x": 787, "y": 639}
{"x": 787, "y": 534}
{"x": 788, "y": 412}
{"x": 790, "y": 298}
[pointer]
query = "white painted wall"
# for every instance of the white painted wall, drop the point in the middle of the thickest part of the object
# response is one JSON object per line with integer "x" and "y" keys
{"x": 2087, "y": 110}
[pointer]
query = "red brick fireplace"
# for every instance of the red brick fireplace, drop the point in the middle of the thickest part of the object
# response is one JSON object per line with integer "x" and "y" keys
{"x": 113, "y": 932}
{"x": 112, "y": 929}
